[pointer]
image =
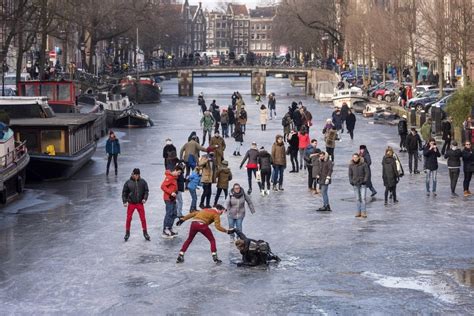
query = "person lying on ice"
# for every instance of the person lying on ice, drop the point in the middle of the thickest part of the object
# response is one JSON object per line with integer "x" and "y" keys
{"x": 200, "y": 224}
{"x": 254, "y": 252}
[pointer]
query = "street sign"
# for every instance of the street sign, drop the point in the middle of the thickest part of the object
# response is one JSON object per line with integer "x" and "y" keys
{"x": 52, "y": 54}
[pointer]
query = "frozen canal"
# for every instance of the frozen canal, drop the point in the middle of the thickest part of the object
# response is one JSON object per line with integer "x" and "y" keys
{"x": 62, "y": 248}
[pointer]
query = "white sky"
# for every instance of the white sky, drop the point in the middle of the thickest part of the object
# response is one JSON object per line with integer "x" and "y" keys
{"x": 210, "y": 4}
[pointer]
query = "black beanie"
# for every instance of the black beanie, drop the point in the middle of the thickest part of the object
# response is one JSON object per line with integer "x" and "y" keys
{"x": 136, "y": 171}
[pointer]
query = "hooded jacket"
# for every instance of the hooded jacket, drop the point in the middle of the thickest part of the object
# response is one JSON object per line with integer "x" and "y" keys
{"x": 224, "y": 176}
{"x": 112, "y": 147}
{"x": 190, "y": 148}
{"x": 358, "y": 173}
{"x": 431, "y": 158}
{"x": 207, "y": 121}
{"x": 169, "y": 151}
{"x": 238, "y": 134}
{"x": 194, "y": 180}
{"x": 330, "y": 138}
{"x": 278, "y": 153}
{"x": 350, "y": 121}
{"x": 169, "y": 186}
{"x": 454, "y": 158}
{"x": 264, "y": 160}
{"x": 236, "y": 204}
{"x": 206, "y": 175}
{"x": 135, "y": 192}
{"x": 390, "y": 174}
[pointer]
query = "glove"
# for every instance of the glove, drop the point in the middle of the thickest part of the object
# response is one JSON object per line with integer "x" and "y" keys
{"x": 327, "y": 181}
{"x": 230, "y": 231}
{"x": 181, "y": 220}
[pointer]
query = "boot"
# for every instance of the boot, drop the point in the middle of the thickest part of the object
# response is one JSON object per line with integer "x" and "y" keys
{"x": 280, "y": 188}
{"x": 249, "y": 191}
{"x": 180, "y": 258}
{"x": 358, "y": 214}
{"x": 127, "y": 235}
{"x": 328, "y": 208}
{"x": 275, "y": 187}
{"x": 216, "y": 260}
{"x": 364, "y": 215}
{"x": 145, "y": 234}
{"x": 321, "y": 209}
{"x": 235, "y": 153}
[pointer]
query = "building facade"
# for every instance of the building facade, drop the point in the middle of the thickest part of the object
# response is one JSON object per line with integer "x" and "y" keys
{"x": 261, "y": 20}
{"x": 195, "y": 28}
{"x": 219, "y": 26}
{"x": 240, "y": 31}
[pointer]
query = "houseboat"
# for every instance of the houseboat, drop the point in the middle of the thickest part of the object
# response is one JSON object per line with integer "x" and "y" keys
{"x": 14, "y": 159}
{"x": 61, "y": 96}
{"x": 143, "y": 91}
{"x": 132, "y": 117}
{"x": 349, "y": 96}
{"x": 59, "y": 144}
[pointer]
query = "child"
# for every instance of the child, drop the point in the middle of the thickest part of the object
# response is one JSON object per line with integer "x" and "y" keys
{"x": 194, "y": 182}
{"x": 223, "y": 176}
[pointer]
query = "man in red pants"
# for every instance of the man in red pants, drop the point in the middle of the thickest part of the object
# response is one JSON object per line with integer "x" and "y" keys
{"x": 134, "y": 196}
{"x": 200, "y": 224}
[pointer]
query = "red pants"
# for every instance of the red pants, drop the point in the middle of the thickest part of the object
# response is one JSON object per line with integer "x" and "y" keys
{"x": 141, "y": 212}
{"x": 198, "y": 227}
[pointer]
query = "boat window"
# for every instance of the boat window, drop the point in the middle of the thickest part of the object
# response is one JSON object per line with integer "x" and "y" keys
{"x": 28, "y": 90}
{"x": 47, "y": 91}
{"x": 64, "y": 93}
{"x": 54, "y": 138}
{"x": 31, "y": 140}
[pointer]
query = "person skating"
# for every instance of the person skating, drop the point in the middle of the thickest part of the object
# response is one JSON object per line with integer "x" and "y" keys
{"x": 265, "y": 165}
{"x": 311, "y": 155}
{"x": 236, "y": 207}
{"x": 303, "y": 142}
{"x": 272, "y": 105}
{"x": 364, "y": 153}
{"x": 225, "y": 123}
{"x": 403, "y": 132}
{"x": 200, "y": 224}
{"x": 252, "y": 166}
{"x": 279, "y": 162}
{"x": 202, "y": 103}
{"x": 446, "y": 128}
{"x": 170, "y": 155}
{"x": 286, "y": 122}
{"x": 431, "y": 154}
{"x": 254, "y": 252}
{"x": 337, "y": 121}
{"x": 216, "y": 115}
{"x": 296, "y": 117}
{"x": 468, "y": 166}
{"x": 344, "y": 114}
{"x": 330, "y": 137}
{"x": 169, "y": 186}
{"x": 324, "y": 175}
{"x": 413, "y": 145}
{"x": 293, "y": 146}
{"x": 207, "y": 176}
{"x": 263, "y": 117}
{"x": 230, "y": 112}
{"x": 243, "y": 119}
{"x": 112, "y": 148}
{"x": 134, "y": 196}
{"x": 207, "y": 123}
{"x": 350, "y": 123}
{"x": 390, "y": 175}
{"x": 258, "y": 99}
{"x": 223, "y": 176}
{"x": 454, "y": 156}
{"x": 189, "y": 153}
{"x": 238, "y": 136}
{"x": 194, "y": 181}
{"x": 358, "y": 177}
{"x": 218, "y": 144}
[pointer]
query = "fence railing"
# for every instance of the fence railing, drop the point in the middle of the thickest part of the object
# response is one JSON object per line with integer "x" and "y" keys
{"x": 14, "y": 155}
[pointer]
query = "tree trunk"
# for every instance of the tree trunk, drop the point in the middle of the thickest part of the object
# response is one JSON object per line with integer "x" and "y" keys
{"x": 440, "y": 73}
{"x": 19, "y": 60}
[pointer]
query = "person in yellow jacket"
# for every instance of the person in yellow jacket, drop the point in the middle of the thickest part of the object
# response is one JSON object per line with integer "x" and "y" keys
{"x": 200, "y": 224}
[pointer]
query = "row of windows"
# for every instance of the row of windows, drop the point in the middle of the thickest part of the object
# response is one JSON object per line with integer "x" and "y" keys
{"x": 240, "y": 43}
{"x": 241, "y": 23}
{"x": 259, "y": 36}
{"x": 261, "y": 27}
{"x": 237, "y": 33}
{"x": 261, "y": 46}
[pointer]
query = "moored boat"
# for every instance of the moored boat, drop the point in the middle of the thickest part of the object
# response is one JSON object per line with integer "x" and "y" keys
{"x": 14, "y": 159}
{"x": 61, "y": 94}
{"x": 142, "y": 91}
{"x": 349, "y": 96}
{"x": 59, "y": 144}
{"x": 132, "y": 117}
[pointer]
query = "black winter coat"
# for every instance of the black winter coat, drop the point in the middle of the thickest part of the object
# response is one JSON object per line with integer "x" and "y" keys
{"x": 169, "y": 151}
{"x": 446, "y": 129}
{"x": 231, "y": 116}
{"x": 296, "y": 116}
{"x": 344, "y": 111}
{"x": 468, "y": 160}
{"x": 413, "y": 142}
{"x": 264, "y": 160}
{"x": 135, "y": 191}
{"x": 390, "y": 174}
{"x": 402, "y": 127}
{"x": 238, "y": 134}
{"x": 358, "y": 173}
{"x": 350, "y": 121}
{"x": 454, "y": 158}
{"x": 294, "y": 143}
{"x": 431, "y": 158}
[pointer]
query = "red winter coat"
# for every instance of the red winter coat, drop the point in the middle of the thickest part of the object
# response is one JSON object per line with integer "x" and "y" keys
{"x": 303, "y": 140}
{"x": 169, "y": 186}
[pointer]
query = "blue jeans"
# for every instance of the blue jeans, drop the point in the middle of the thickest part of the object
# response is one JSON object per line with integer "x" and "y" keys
{"x": 324, "y": 192}
{"x": 360, "y": 192}
{"x": 170, "y": 214}
{"x": 431, "y": 174}
{"x": 277, "y": 176}
{"x": 193, "y": 199}
{"x": 179, "y": 204}
{"x": 235, "y": 223}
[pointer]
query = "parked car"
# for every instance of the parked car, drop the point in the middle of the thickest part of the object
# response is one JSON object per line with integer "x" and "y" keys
{"x": 387, "y": 91}
{"x": 429, "y": 96}
{"x": 441, "y": 103}
{"x": 422, "y": 89}
{"x": 10, "y": 80}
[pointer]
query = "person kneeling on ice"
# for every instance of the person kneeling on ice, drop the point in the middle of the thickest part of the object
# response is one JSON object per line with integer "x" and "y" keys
{"x": 200, "y": 224}
{"x": 254, "y": 252}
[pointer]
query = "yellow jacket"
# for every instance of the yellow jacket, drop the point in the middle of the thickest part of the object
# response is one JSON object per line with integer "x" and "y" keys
{"x": 207, "y": 216}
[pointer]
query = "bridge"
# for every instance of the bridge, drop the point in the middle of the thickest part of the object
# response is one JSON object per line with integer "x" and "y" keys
{"x": 258, "y": 75}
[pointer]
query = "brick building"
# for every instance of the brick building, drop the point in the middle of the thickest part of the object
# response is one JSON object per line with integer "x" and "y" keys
{"x": 261, "y": 20}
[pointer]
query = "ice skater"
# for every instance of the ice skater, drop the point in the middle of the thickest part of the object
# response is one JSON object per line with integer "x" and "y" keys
{"x": 200, "y": 224}
{"x": 134, "y": 196}
{"x": 254, "y": 252}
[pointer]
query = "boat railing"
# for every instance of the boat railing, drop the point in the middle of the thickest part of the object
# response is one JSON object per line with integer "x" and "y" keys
{"x": 14, "y": 155}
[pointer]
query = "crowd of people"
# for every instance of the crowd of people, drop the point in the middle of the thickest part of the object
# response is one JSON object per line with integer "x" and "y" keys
{"x": 202, "y": 164}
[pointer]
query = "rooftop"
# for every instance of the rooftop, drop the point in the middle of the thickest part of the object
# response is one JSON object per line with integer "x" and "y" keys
{"x": 266, "y": 12}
